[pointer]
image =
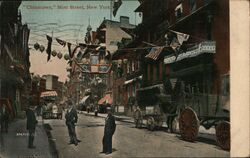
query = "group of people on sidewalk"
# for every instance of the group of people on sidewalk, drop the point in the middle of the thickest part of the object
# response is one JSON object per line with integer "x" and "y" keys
{"x": 71, "y": 120}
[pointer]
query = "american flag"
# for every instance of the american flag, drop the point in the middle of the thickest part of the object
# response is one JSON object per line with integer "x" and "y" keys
{"x": 154, "y": 53}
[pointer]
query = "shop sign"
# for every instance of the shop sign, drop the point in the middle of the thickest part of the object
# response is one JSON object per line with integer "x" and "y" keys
{"x": 202, "y": 48}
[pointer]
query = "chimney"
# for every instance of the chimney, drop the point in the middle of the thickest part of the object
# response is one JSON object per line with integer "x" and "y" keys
{"x": 124, "y": 20}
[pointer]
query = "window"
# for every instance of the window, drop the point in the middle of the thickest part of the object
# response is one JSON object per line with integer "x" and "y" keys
{"x": 133, "y": 66}
{"x": 192, "y": 4}
{"x": 128, "y": 67}
{"x": 179, "y": 11}
{"x": 148, "y": 71}
{"x": 128, "y": 91}
{"x": 133, "y": 91}
{"x": 151, "y": 72}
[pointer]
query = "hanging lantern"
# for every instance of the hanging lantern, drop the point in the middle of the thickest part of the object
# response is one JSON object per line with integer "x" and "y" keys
{"x": 36, "y": 46}
{"x": 66, "y": 56}
{"x": 59, "y": 55}
{"x": 119, "y": 61}
{"x": 53, "y": 53}
{"x": 125, "y": 61}
{"x": 41, "y": 48}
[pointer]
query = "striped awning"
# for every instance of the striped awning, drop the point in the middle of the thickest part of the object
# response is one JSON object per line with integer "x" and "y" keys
{"x": 84, "y": 99}
{"x": 49, "y": 94}
{"x": 154, "y": 53}
{"x": 106, "y": 100}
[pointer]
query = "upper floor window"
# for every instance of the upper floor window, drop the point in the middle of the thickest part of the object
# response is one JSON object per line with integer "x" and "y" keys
{"x": 133, "y": 66}
{"x": 179, "y": 11}
{"x": 192, "y": 4}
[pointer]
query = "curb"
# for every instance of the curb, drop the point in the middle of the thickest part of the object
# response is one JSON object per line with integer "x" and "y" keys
{"x": 201, "y": 134}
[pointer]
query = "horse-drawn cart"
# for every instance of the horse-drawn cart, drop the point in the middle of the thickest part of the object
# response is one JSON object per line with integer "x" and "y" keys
{"x": 187, "y": 109}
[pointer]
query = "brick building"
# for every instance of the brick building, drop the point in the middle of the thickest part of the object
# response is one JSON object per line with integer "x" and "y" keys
{"x": 206, "y": 22}
{"x": 14, "y": 56}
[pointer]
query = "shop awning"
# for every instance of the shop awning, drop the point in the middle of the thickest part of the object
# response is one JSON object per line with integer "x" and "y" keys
{"x": 106, "y": 100}
{"x": 84, "y": 99}
{"x": 49, "y": 94}
{"x": 132, "y": 80}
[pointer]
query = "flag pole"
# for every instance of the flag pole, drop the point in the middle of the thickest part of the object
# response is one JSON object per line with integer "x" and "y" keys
{"x": 111, "y": 8}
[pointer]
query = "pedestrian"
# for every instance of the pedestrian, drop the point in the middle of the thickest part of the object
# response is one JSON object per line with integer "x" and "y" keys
{"x": 31, "y": 126}
{"x": 39, "y": 110}
{"x": 138, "y": 117}
{"x": 4, "y": 118}
{"x": 71, "y": 119}
{"x": 109, "y": 131}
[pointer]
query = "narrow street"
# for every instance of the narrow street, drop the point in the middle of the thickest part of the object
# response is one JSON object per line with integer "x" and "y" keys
{"x": 127, "y": 141}
{"x": 162, "y": 65}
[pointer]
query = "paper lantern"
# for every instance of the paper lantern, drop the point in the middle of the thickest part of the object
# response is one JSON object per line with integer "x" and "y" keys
{"x": 66, "y": 56}
{"x": 41, "y": 48}
{"x": 36, "y": 46}
{"x": 53, "y": 53}
{"x": 119, "y": 61}
{"x": 59, "y": 55}
{"x": 125, "y": 61}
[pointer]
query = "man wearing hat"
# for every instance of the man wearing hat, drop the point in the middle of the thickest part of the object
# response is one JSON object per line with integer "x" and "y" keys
{"x": 31, "y": 125}
{"x": 109, "y": 130}
{"x": 71, "y": 119}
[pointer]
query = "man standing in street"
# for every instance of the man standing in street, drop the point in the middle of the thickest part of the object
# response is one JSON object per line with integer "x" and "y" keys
{"x": 71, "y": 119}
{"x": 109, "y": 131}
{"x": 138, "y": 117}
{"x": 31, "y": 126}
{"x": 4, "y": 114}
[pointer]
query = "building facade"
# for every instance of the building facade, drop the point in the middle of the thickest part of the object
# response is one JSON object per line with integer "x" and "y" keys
{"x": 15, "y": 81}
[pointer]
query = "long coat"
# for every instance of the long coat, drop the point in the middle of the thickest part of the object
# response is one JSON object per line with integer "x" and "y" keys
{"x": 71, "y": 117}
{"x": 4, "y": 114}
{"x": 110, "y": 125}
{"x": 31, "y": 119}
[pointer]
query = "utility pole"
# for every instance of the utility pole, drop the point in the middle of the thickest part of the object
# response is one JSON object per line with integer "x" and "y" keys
{"x": 111, "y": 9}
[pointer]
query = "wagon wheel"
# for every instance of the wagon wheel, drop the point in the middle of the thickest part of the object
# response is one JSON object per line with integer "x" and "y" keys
{"x": 150, "y": 123}
{"x": 188, "y": 124}
{"x": 223, "y": 135}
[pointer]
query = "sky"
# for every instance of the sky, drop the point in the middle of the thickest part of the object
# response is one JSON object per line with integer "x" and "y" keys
{"x": 68, "y": 20}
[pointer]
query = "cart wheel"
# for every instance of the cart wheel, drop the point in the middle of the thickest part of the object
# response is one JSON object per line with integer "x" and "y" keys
{"x": 223, "y": 135}
{"x": 150, "y": 123}
{"x": 188, "y": 124}
{"x": 174, "y": 125}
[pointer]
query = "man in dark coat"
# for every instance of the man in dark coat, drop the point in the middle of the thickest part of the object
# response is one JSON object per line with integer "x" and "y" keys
{"x": 31, "y": 126}
{"x": 71, "y": 119}
{"x": 109, "y": 130}
{"x": 4, "y": 117}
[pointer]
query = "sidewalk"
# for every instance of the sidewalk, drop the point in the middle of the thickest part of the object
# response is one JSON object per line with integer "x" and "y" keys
{"x": 14, "y": 143}
{"x": 209, "y": 134}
